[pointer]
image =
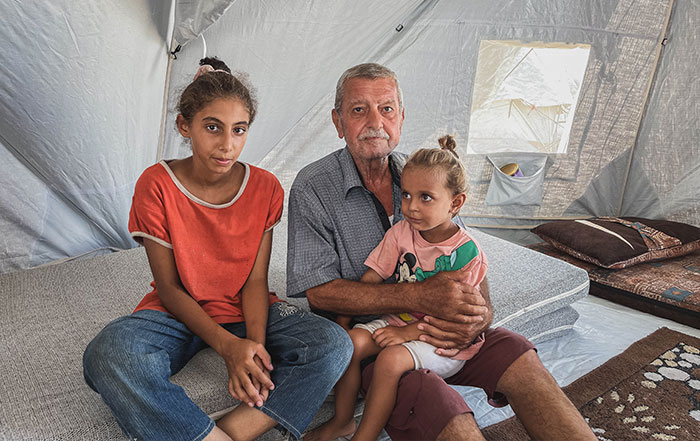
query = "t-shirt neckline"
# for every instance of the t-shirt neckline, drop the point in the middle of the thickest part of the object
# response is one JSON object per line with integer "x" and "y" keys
{"x": 450, "y": 241}
{"x": 199, "y": 201}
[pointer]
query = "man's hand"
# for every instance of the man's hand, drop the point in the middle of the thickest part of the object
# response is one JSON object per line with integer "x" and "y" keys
{"x": 450, "y": 333}
{"x": 447, "y": 295}
{"x": 449, "y": 337}
{"x": 248, "y": 365}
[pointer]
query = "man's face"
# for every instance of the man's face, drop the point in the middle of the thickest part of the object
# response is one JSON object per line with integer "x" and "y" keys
{"x": 370, "y": 119}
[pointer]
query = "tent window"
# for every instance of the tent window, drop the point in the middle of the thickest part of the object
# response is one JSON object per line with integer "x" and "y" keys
{"x": 525, "y": 96}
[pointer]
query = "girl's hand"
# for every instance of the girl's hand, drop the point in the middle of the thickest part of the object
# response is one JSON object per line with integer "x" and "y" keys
{"x": 392, "y": 335}
{"x": 245, "y": 372}
{"x": 262, "y": 390}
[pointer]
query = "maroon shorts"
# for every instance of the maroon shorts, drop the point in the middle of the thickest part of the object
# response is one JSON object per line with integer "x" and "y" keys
{"x": 425, "y": 402}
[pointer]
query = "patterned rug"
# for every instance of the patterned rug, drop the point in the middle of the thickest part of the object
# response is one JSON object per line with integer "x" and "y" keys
{"x": 649, "y": 392}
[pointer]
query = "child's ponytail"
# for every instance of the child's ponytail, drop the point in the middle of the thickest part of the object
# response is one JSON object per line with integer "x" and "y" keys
{"x": 447, "y": 159}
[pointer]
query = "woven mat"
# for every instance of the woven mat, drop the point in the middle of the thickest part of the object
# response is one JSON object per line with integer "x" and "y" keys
{"x": 649, "y": 392}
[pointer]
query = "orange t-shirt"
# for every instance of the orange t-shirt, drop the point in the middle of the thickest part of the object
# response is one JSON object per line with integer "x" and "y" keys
{"x": 215, "y": 246}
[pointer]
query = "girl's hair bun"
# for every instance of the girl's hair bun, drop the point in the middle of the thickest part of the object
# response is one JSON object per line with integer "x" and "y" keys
{"x": 215, "y": 63}
{"x": 448, "y": 143}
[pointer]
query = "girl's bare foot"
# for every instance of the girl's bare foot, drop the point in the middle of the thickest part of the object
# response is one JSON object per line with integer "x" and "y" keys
{"x": 331, "y": 430}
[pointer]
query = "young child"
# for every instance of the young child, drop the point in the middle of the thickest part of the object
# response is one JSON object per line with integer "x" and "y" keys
{"x": 434, "y": 187}
{"x": 206, "y": 222}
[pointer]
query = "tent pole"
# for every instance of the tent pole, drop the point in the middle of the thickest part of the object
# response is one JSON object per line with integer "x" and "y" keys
{"x": 164, "y": 113}
{"x": 652, "y": 77}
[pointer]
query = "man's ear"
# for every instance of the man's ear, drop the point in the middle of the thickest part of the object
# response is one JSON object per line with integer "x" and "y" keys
{"x": 183, "y": 126}
{"x": 457, "y": 201}
{"x": 337, "y": 123}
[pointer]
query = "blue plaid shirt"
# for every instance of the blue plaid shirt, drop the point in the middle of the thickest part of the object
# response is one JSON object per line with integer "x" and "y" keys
{"x": 334, "y": 221}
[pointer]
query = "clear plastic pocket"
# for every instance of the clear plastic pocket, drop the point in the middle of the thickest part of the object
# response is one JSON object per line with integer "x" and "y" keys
{"x": 516, "y": 190}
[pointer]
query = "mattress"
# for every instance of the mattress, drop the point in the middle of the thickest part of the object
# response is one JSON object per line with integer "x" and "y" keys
{"x": 667, "y": 288}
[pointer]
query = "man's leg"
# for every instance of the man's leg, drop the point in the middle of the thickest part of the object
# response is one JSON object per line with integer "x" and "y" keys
{"x": 461, "y": 427}
{"x": 425, "y": 405}
{"x": 540, "y": 404}
{"x": 509, "y": 370}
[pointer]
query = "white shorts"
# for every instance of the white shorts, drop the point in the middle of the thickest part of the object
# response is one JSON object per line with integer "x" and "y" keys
{"x": 424, "y": 356}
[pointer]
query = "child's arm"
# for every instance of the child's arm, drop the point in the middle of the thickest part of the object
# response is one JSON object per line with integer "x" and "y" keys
{"x": 371, "y": 276}
{"x": 395, "y": 335}
{"x": 238, "y": 353}
{"x": 255, "y": 298}
{"x": 344, "y": 321}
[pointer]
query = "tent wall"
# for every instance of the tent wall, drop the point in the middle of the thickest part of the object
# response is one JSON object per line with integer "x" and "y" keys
{"x": 665, "y": 179}
{"x": 82, "y": 86}
{"x": 296, "y": 51}
{"x": 81, "y": 94}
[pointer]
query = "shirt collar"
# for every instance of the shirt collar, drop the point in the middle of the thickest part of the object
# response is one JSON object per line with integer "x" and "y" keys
{"x": 351, "y": 177}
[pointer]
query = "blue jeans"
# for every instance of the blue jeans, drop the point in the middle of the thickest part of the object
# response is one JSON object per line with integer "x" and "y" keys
{"x": 129, "y": 363}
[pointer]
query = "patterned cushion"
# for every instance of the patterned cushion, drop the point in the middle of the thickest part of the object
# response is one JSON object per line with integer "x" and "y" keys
{"x": 612, "y": 242}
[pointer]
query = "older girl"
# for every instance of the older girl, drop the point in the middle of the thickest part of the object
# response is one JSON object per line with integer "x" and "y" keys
{"x": 206, "y": 222}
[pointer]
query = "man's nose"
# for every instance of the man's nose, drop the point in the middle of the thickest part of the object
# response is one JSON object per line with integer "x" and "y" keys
{"x": 375, "y": 119}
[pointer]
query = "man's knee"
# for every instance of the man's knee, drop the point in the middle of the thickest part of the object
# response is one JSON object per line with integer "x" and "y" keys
{"x": 425, "y": 405}
{"x": 525, "y": 372}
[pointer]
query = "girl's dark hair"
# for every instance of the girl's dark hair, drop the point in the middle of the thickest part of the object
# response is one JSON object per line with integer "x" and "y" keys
{"x": 213, "y": 85}
{"x": 447, "y": 159}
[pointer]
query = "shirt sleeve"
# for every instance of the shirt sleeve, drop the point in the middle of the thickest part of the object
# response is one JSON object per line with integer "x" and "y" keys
{"x": 276, "y": 205}
{"x": 385, "y": 256}
{"x": 147, "y": 216}
{"x": 312, "y": 259}
{"x": 477, "y": 270}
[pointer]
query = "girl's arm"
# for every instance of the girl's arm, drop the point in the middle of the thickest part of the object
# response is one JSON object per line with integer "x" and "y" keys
{"x": 255, "y": 293}
{"x": 255, "y": 297}
{"x": 238, "y": 353}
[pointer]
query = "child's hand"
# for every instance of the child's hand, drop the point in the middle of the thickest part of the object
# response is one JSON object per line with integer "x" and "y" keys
{"x": 248, "y": 365}
{"x": 392, "y": 335}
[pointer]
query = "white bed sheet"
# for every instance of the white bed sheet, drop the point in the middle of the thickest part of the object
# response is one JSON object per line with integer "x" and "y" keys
{"x": 603, "y": 330}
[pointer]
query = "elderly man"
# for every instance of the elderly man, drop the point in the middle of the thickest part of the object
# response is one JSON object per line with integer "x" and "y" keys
{"x": 339, "y": 209}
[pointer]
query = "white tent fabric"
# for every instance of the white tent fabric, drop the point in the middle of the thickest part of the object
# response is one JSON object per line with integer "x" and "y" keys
{"x": 82, "y": 88}
{"x": 81, "y": 92}
{"x": 192, "y": 17}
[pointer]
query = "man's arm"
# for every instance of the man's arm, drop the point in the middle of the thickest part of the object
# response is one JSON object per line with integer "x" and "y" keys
{"x": 444, "y": 295}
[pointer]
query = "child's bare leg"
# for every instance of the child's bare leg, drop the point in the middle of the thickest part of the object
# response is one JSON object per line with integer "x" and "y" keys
{"x": 244, "y": 423}
{"x": 343, "y": 422}
{"x": 391, "y": 363}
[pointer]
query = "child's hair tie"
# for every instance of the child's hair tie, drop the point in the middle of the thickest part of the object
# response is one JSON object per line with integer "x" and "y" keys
{"x": 206, "y": 68}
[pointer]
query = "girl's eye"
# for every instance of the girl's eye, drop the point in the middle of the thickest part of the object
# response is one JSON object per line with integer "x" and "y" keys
{"x": 239, "y": 130}
{"x": 405, "y": 195}
{"x": 426, "y": 198}
{"x": 212, "y": 127}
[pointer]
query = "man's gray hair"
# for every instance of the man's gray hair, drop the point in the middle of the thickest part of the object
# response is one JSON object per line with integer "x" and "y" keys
{"x": 370, "y": 71}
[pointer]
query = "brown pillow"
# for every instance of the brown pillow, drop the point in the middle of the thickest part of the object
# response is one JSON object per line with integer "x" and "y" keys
{"x": 612, "y": 242}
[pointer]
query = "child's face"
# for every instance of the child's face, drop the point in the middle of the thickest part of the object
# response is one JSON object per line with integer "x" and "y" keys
{"x": 426, "y": 202}
{"x": 218, "y": 133}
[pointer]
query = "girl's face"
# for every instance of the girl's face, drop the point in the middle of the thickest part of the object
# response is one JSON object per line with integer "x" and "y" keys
{"x": 426, "y": 202}
{"x": 218, "y": 133}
